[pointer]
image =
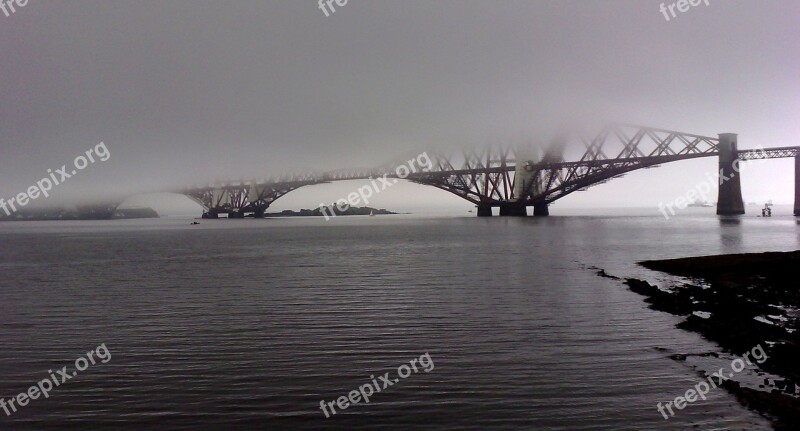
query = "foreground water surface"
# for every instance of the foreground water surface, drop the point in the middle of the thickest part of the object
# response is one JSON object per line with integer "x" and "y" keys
{"x": 249, "y": 324}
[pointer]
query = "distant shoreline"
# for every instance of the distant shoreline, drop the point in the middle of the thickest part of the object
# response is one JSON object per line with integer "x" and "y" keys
{"x": 83, "y": 213}
{"x": 317, "y": 212}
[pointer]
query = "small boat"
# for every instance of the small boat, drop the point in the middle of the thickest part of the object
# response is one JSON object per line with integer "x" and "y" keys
{"x": 700, "y": 204}
{"x": 195, "y": 222}
{"x": 371, "y": 214}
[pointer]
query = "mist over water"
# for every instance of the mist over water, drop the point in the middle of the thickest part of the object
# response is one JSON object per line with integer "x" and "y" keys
{"x": 193, "y": 92}
{"x": 199, "y": 109}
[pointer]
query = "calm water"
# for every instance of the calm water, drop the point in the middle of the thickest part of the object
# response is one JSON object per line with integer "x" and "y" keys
{"x": 249, "y": 324}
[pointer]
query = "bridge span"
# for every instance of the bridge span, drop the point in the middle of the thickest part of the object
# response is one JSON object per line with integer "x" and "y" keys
{"x": 513, "y": 179}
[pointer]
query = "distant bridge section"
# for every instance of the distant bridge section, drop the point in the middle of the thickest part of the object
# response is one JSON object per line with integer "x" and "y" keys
{"x": 730, "y": 200}
{"x": 238, "y": 199}
{"x": 515, "y": 178}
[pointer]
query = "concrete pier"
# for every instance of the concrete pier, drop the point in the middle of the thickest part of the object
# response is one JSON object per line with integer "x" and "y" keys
{"x": 484, "y": 210}
{"x": 513, "y": 210}
{"x": 797, "y": 185}
{"x": 729, "y": 201}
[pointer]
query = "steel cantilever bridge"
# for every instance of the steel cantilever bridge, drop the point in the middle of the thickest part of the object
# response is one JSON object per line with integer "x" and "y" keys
{"x": 511, "y": 180}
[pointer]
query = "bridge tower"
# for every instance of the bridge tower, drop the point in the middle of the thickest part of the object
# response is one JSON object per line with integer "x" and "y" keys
{"x": 797, "y": 184}
{"x": 527, "y": 182}
{"x": 729, "y": 201}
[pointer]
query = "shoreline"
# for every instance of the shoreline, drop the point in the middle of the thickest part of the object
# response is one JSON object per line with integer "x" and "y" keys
{"x": 739, "y": 301}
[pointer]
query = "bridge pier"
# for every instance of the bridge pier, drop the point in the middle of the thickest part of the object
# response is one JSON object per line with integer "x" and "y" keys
{"x": 541, "y": 209}
{"x": 513, "y": 210}
{"x": 729, "y": 200}
{"x": 484, "y": 210}
{"x": 797, "y": 185}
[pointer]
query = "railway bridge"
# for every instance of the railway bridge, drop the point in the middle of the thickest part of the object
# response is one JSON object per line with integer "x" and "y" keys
{"x": 515, "y": 178}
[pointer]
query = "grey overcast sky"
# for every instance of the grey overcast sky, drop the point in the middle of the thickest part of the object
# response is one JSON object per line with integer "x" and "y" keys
{"x": 185, "y": 91}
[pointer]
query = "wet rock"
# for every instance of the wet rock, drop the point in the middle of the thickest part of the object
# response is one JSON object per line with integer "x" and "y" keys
{"x": 603, "y": 273}
{"x": 737, "y": 292}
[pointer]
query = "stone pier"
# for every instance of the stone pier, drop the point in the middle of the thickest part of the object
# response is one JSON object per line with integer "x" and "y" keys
{"x": 729, "y": 201}
{"x": 513, "y": 210}
{"x": 797, "y": 185}
{"x": 484, "y": 210}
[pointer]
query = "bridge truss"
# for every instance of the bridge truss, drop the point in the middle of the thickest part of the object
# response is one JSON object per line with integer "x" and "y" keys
{"x": 489, "y": 177}
{"x": 502, "y": 176}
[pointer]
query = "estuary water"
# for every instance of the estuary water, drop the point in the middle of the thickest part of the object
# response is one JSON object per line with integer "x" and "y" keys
{"x": 250, "y": 324}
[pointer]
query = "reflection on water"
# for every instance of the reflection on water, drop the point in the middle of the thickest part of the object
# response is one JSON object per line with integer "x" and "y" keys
{"x": 249, "y": 324}
{"x": 730, "y": 220}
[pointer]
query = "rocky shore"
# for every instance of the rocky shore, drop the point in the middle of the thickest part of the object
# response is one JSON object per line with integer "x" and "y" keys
{"x": 740, "y": 301}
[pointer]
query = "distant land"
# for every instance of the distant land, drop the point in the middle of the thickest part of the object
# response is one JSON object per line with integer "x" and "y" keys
{"x": 317, "y": 212}
{"x": 79, "y": 213}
